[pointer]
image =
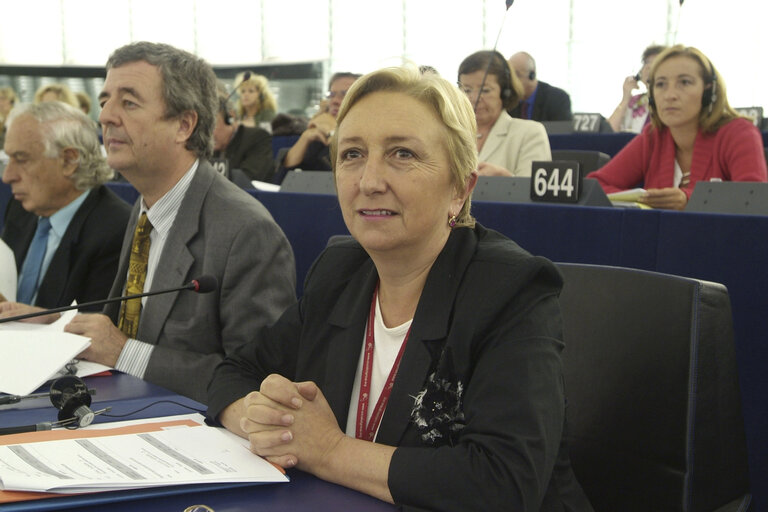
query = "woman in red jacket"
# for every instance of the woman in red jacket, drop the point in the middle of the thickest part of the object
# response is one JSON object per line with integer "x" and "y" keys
{"x": 694, "y": 135}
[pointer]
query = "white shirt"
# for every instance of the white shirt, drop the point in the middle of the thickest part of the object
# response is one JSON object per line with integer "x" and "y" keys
{"x": 387, "y": 345}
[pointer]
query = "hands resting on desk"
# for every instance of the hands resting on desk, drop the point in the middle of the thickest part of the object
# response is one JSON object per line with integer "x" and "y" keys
{"x": 107, "y": 341}
{"x": 672, "y": 198}
{"x": 292, "y": 425}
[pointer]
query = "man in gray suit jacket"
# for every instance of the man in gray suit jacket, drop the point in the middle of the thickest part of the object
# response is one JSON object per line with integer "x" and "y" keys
{"x": 158, "y": 106}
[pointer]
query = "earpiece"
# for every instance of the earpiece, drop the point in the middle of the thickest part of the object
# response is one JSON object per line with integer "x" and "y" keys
{"x": 70, "y": 396}
{"x": 532, "y": 74}
{"x": 225, "y": 111}
{"x": 709, "y": 97}
{"x": 506, "y": 86}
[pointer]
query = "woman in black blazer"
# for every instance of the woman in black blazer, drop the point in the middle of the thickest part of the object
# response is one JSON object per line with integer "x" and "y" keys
{"x": 422, "y": 365}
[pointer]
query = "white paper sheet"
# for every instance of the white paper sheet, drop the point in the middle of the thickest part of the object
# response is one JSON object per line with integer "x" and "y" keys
{"x": 184, "y": 455}
{"x": 29, "y": 358}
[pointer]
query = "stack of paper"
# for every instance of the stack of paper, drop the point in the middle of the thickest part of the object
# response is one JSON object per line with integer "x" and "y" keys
{"x": 138, "y": 456}
{"x": 628, "y": 198}
{"x": 31, "y": 354}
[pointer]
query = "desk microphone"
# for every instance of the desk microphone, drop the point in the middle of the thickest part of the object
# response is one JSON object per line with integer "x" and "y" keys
{"x": 203, "y": 284}
{"x": 495, "y": 45}
{"x": 246, "y": 77}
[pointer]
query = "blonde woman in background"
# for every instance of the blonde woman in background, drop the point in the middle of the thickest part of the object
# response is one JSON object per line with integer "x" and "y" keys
{"x": 56, "y": 92}
{"x": 257, "y": 104}
{"x": 8, "y": 99}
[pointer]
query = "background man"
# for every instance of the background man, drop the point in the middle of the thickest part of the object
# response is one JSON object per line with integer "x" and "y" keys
{"x": 310, "y": 152}
{"x": 64, "y": 226}
{"x": 541, "y": 101}
{"x": 247, "y": 150}
{"x": 158, "y": 109}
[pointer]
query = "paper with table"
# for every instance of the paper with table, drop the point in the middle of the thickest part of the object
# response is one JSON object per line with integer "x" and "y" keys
{"x": 31, "y": 354}
{"x": 628, "y": 198}
{"x": 174, "y": 451}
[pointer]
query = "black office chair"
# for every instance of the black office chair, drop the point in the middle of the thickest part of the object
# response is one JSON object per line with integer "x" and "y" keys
{"x": 654, "y": 413}
{"x": 589, "y": 160}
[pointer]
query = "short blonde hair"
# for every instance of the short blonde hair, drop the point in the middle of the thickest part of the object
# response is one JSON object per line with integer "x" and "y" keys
{"x": 709, "y": 119}
{"x": 444, "y": 99}
{"x": 63, "y": 93}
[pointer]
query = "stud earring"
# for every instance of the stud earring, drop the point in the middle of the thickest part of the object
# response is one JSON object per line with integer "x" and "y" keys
{"x": 452, "y": 221}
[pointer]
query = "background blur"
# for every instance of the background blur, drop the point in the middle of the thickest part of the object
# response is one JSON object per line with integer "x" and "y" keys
{"x": 586, "y": 47}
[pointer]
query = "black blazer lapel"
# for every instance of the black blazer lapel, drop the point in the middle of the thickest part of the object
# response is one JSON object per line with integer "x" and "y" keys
{"x": 350, "y": 315}
{"x": 54, "y": 282}
{"x": 18, "y": 231}
{"x": 428, "y": 333}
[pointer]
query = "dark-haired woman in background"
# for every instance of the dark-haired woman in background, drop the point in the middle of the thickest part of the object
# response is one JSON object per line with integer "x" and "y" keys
{"x": 694, "y": 136}
{"x": 632, "y": 113}
{"x": 506, "y": 146}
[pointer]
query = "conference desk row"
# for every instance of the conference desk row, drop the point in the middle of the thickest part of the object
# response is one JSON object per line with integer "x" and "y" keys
{"x": 125, "y": 394}
{"x": 608, "y": 143}
{"x": 724, "y": 248}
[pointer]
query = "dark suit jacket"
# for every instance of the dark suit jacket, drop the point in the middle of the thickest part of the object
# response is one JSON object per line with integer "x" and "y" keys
{"x": 251, "y": 150}
{"x": 551, "y": 104}
{"x": 222, "y": 231}
{"x": 85, "y": 262}
{"x": 484, "y": 348}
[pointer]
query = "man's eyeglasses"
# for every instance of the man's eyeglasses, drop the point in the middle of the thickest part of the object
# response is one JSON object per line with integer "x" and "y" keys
{"x": 335, "y": 94}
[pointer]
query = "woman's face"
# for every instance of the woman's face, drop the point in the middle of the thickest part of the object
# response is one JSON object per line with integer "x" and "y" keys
{"x": 677, "y": 91}
{"x": 490, "y": 106}
{"x": 249, "y": 95}
{"x": 393, "y": 176}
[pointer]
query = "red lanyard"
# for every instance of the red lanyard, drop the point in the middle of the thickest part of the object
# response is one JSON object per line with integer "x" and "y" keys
{"x": 363, "y": 431}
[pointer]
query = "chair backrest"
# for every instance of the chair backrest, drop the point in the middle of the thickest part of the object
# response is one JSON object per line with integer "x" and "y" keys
{"x": 654, "y": 412}
{"x": 589, "y": 160}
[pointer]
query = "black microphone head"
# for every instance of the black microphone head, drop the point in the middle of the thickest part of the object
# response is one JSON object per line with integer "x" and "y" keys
{"x": 204, "y": 284}
{"x": 246, "y": 76}
{"x": 510, "y": 2}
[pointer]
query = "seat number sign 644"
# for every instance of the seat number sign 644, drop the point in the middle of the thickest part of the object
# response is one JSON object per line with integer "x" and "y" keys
{"x": 555, "y": 182}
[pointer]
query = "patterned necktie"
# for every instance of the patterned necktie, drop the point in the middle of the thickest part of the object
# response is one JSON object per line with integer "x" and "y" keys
{"x": 137, "y": 273}
{"x": 30, "y": 272}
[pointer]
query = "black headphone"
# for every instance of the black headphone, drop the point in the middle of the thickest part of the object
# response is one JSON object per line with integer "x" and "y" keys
{"x": 225, "y": 111}
{"x": 708, "y": 97}
{"x": 68, "y": 394}
{"x": 506, "y": 86}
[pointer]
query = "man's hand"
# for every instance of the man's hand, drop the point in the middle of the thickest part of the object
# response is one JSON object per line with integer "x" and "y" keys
{"x": 107, "y": 341}
{"x": 9, "y": 309}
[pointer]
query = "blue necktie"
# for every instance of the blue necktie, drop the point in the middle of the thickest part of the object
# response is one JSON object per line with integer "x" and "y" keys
{"x": 30, "y": 272}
